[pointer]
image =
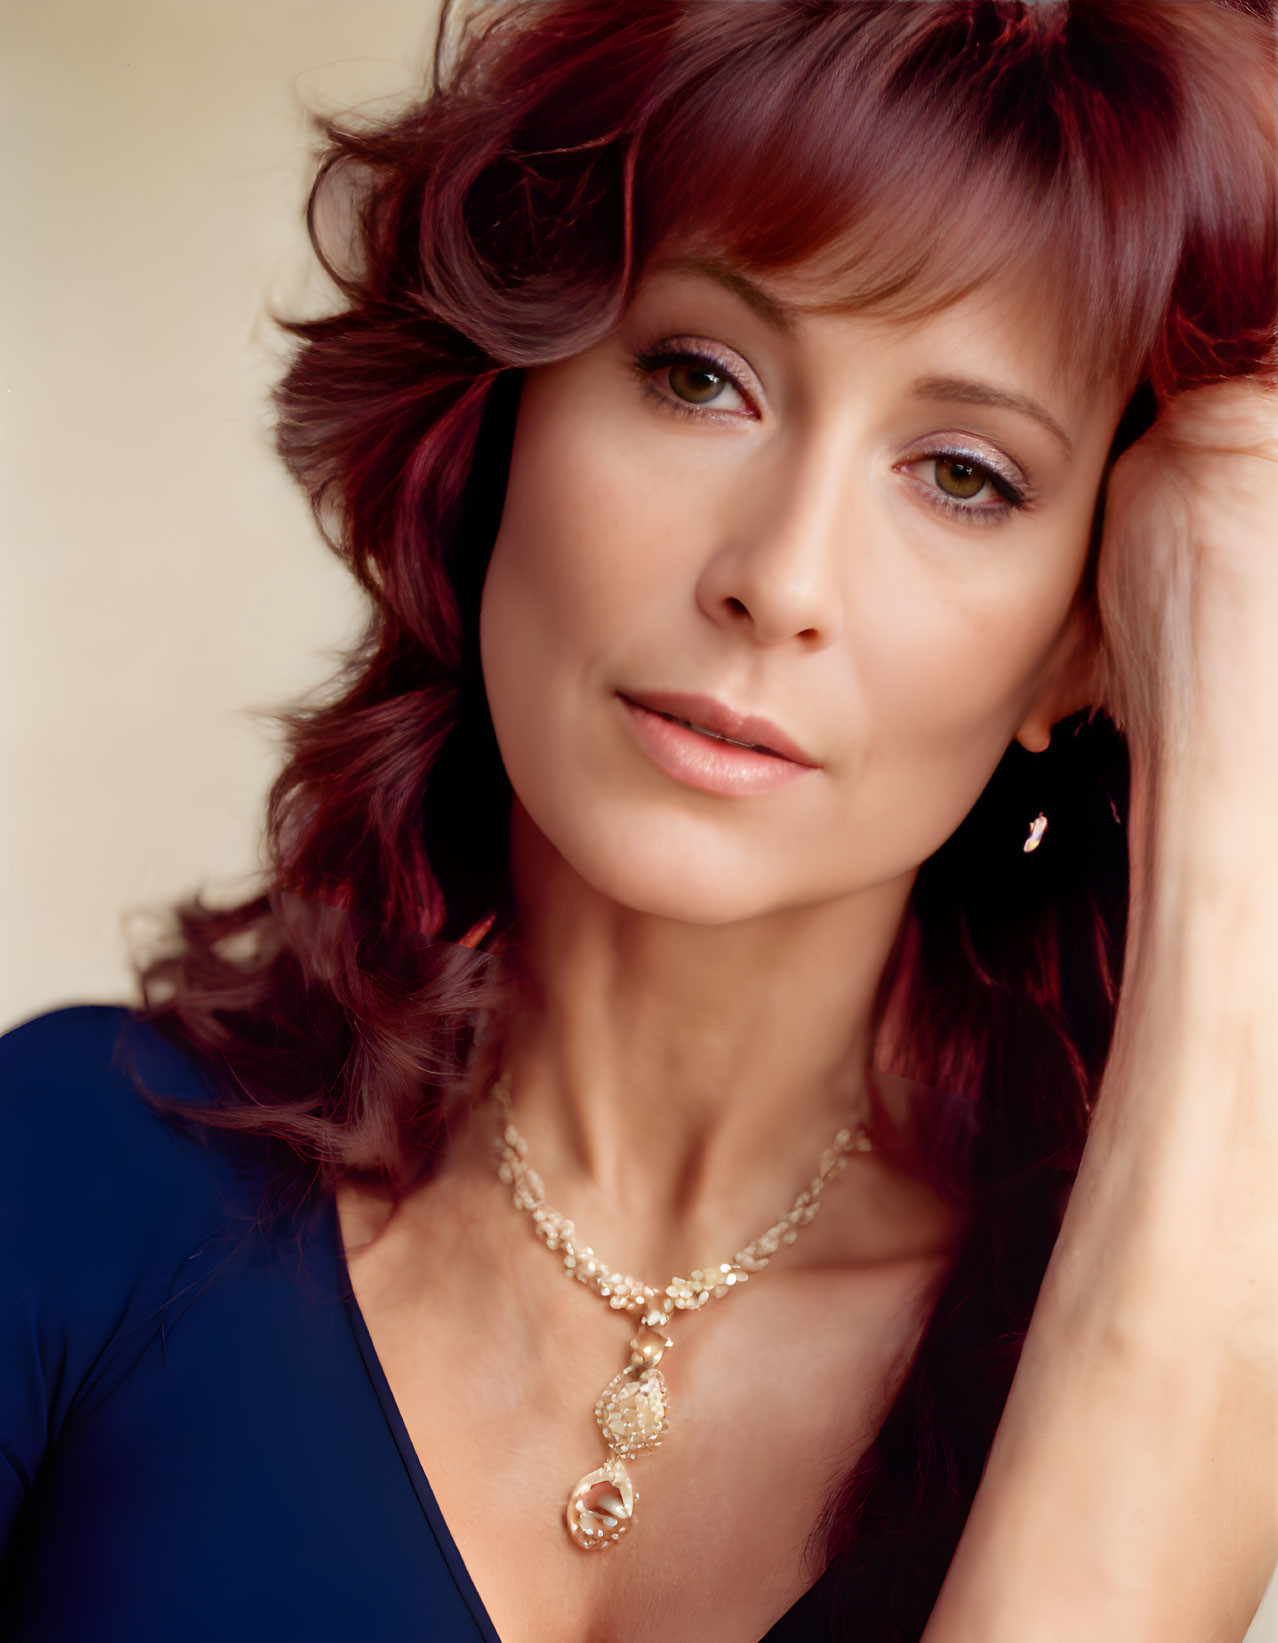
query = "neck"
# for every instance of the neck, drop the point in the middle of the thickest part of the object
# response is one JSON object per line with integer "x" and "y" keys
{"x": 676, "y": 1082}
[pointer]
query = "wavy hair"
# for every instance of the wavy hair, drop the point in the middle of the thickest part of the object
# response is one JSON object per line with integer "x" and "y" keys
{"x": 503, "y": 221}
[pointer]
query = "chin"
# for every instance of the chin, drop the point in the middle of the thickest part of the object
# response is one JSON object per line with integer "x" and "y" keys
{"x": 689, "y": 900}
{"x": 695, "y": 881}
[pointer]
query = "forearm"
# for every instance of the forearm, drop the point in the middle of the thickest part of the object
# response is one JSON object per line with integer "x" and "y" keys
{"x": 1131, "y": 1492}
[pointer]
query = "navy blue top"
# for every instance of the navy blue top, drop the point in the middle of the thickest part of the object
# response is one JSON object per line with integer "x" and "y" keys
{"x": 197, "y": 1442}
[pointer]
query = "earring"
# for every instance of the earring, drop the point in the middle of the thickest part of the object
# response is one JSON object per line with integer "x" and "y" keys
{"x": 477, "y": 932}
{"x": 1037, "y": 828}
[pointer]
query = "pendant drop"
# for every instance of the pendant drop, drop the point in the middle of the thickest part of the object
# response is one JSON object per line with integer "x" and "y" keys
{"x": 631, "y": 1413}
{"x": 600, "y": 1508}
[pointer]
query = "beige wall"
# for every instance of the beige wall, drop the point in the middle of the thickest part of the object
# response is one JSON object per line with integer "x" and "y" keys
{"x": 159, "y": 579}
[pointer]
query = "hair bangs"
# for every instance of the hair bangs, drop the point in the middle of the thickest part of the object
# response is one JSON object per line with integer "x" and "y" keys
{"x": 892, "y": 159}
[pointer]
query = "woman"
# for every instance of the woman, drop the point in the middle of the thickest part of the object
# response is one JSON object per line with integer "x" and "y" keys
{"x": 772, "y": 438}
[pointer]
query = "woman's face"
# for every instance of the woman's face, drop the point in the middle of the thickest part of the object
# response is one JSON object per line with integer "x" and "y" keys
{"x": 868, "y": 533}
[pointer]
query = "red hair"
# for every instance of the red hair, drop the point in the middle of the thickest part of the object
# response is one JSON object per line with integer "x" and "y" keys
{"x": 505, "y": 220}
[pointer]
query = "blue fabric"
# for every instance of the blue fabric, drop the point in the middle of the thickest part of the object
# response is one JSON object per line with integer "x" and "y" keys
{"x": 197, "y": 1443}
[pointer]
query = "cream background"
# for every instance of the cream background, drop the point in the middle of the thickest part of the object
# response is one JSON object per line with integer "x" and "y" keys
{"x": 160, "y": 578}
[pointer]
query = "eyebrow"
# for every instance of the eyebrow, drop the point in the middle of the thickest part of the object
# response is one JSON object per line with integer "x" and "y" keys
{"x": 773, "y": 313}
{"x": 946, "y": 389}
{"x": 963, "y": 391}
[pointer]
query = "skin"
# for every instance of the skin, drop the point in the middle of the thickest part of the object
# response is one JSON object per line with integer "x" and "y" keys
{"x": 1146, "y": 1389}
{"x": 703, "y": 966}
{"x": 699, "y": 969}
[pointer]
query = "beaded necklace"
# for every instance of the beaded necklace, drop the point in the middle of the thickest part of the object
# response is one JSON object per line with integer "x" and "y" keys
{"x": 632, "y": 1411}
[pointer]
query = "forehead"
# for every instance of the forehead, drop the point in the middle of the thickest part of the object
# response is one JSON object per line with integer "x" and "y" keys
{"x": 1001, "y": 328}
{"x": 899, "y": 156}
{"x": 901, "y": 259}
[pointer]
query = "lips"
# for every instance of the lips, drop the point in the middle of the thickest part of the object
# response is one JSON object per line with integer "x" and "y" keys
{"x": 706, "y": 714}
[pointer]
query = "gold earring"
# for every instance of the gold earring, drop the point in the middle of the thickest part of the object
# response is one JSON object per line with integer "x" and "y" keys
{"x": 1037, "y": 828}
{"x": 477, "y": 932}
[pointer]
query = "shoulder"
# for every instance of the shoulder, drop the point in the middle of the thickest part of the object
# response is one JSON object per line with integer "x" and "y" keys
{"x": 80, "y": 1047}
{"x": 69, "y": 1092}
{"x": 94, "y": 1181}
{"x": 104, "y": 1205}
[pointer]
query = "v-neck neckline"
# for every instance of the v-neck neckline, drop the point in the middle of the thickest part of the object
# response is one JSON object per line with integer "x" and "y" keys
{"x": 408, "y": 1454}
{"x": 468, "y": 1591}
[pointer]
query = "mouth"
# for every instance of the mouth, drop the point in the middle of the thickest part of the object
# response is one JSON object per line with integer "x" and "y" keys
{"x": 718, "y": 723}
{"x": 755, "y": 747}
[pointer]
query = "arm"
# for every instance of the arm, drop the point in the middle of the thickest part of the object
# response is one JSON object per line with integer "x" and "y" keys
{"x": 1131, "y": 1493}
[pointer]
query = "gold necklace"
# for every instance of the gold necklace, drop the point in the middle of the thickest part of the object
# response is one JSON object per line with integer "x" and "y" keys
{"x": 632, "y": 1411}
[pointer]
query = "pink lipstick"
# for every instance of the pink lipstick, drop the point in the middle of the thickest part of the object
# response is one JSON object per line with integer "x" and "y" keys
{"x": 706, "y": 745}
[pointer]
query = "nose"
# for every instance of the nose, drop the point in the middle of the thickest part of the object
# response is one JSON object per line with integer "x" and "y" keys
{"x": 779, "y": 571}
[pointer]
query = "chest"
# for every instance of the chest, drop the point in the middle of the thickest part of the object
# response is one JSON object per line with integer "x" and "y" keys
{"x": 773, "y": 1393}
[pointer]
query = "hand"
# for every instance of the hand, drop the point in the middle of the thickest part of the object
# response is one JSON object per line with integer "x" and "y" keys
{"x": 1138, "y": 1440}
{"x": 1188, "y": 590}
{"x": 1188, "y": 579}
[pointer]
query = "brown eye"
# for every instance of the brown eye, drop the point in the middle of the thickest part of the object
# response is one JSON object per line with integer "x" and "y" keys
{"x": 694, "y": 382}
{"x": 957, "y": 478}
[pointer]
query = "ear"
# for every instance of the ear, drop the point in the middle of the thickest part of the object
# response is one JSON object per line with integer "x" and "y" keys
{"x": 1070, "y": 680}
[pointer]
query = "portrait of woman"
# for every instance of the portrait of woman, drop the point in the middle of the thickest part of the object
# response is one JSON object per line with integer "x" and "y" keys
{"x": 744, "y": 1104}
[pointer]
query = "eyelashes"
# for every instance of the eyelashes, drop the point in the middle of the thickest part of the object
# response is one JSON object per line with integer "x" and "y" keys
{"x": 1011, "y": 496}
{"x": 707, "y": 373}
{"x": 649, "y": 361}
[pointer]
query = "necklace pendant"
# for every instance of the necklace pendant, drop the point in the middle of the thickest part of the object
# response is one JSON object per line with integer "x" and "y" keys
{"x": 601, "y": 1507}
{"x": 632, "y": 1412}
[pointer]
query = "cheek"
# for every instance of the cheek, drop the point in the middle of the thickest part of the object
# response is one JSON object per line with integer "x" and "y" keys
{"x": 569, "y": 584}
{"x": 947, "y": 664}
{"x": 594, "y": 567}
{"x": 979, "y": 613}
{"x": 569, "y": 557}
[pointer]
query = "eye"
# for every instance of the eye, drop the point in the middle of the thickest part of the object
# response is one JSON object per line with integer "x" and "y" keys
{"x": 698, "y": 383}
{"x": 961, "y": 483}
{"x": 695, "y": 380}
{"x": 962, "y": 480}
